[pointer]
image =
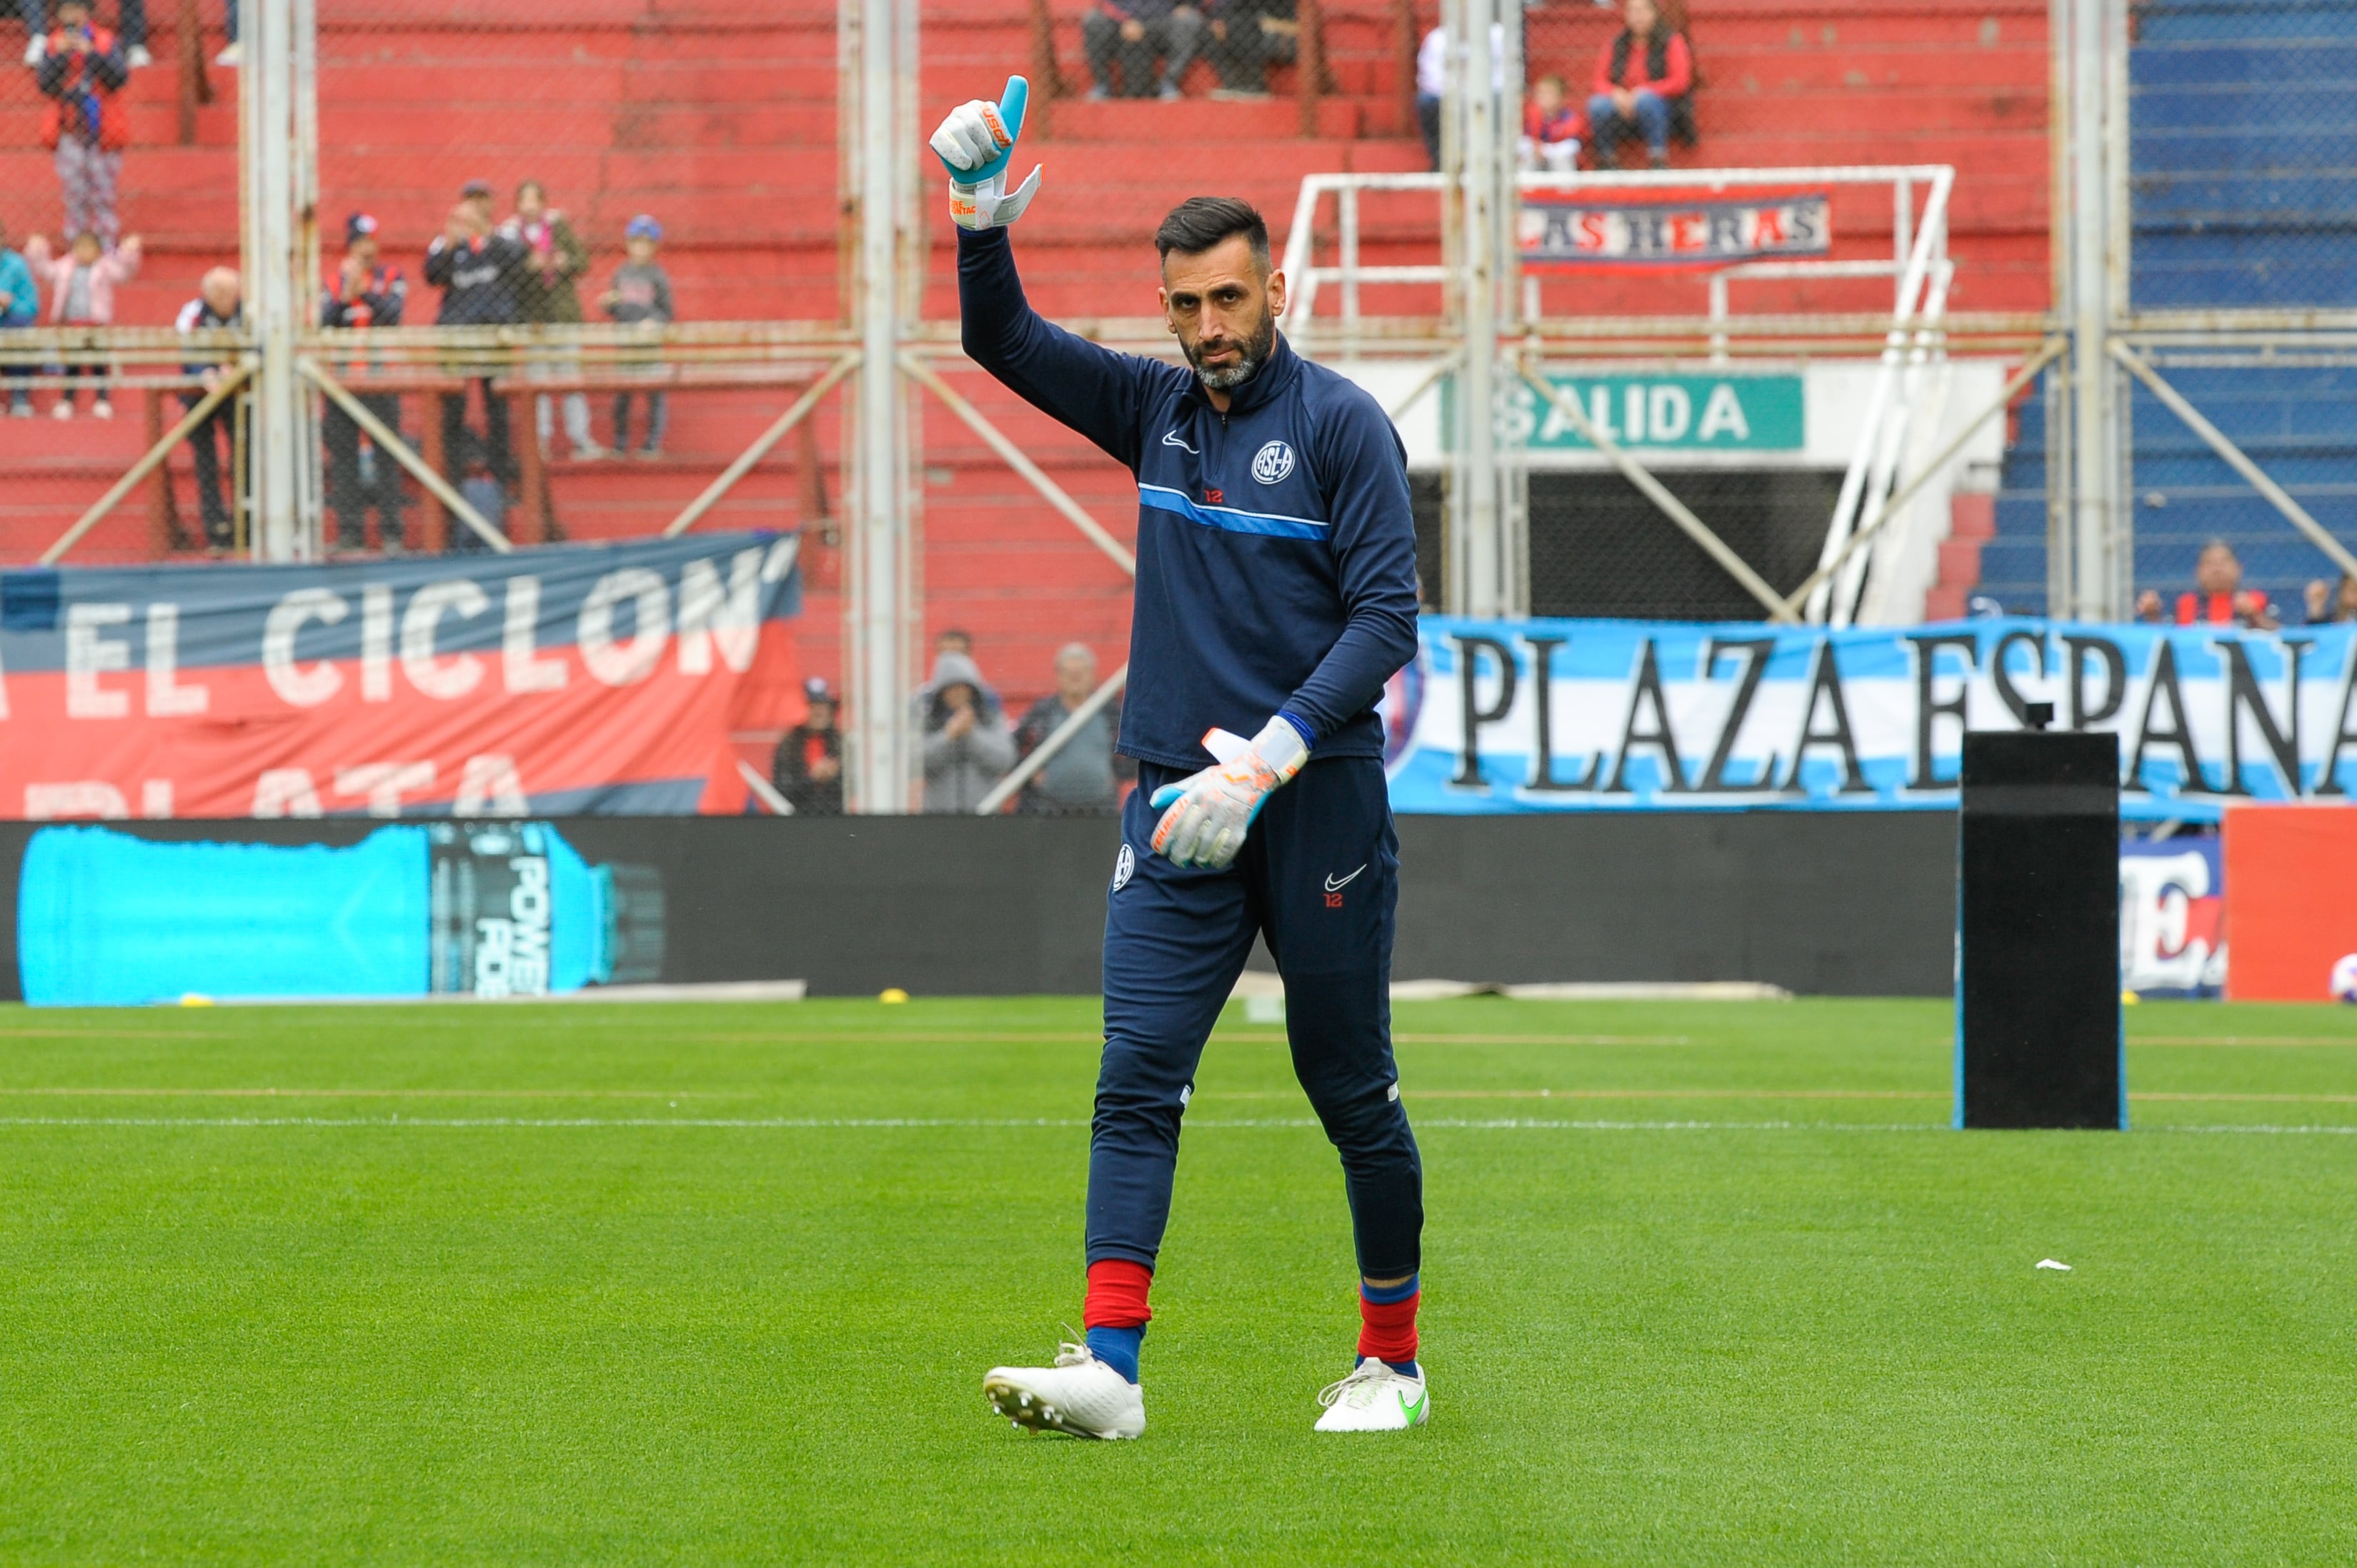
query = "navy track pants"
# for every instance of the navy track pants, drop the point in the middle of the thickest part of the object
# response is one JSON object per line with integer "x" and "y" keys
{"x": 1320, "y": 878}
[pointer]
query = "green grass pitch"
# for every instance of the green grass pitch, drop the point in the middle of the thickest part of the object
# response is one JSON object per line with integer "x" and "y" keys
{"x": 718, "y": 1283}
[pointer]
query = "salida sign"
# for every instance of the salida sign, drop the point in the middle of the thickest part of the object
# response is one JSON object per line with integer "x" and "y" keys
{"x": 567, "y": 679}
{"x": 1686, "y": 413}
{"x": 1571, "y": 715}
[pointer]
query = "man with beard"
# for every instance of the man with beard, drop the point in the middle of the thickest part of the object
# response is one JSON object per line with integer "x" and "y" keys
{"x": 1275, "y": 596}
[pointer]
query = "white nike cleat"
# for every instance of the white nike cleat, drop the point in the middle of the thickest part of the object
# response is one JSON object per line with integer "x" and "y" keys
{"x": 1375, "y": 1399}
{"x": 1079, "y": 1395}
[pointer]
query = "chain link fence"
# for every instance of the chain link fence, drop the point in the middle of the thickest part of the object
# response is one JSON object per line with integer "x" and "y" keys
{"x": 583, "y": 262}
{"x": 1601, "y": 548}
{"x": 2242, "y": 208}
{"x": 117, "y": 121}
{"x": 2241, "y": 115}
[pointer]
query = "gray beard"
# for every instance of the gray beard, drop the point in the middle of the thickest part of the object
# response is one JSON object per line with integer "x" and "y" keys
{"x": 1231, "y": 377}
{"x": 1248, "y": 365}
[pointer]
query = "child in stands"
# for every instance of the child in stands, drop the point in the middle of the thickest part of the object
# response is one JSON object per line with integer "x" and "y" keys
{"x": 82, "y": 293}
{"x": 21, "y": 305}
{"x": 481, "y": 489}
{"x": 82, "y": 69}
{"x": 1551, "y": 128}
{"x": 640, "y": 296}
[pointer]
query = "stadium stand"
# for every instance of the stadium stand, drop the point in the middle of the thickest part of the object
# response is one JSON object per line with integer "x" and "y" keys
{"x": 1922, "y": 81}
{"x": 2239, "y": 113}
{"x": 720, "y": 117}
{"x": 1883, "y": 82}
{"x": 1972, "y": 523}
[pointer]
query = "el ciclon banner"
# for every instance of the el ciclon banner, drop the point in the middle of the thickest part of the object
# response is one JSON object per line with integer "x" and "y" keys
{"x": 575, "y": 680}
{"x": 1553, "y": 715}
{"x": 1669, "y": 231}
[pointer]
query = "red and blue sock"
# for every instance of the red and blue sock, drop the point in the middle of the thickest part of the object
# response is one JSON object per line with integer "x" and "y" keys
{"x": 1114, "y": 1316}
{"x": 1387, "y": 1324}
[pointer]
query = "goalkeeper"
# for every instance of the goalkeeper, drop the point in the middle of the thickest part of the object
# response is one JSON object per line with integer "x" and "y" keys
{"x": 1275, "y": 596}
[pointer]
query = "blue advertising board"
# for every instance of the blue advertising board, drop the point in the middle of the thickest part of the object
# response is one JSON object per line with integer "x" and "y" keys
{"x": 1556, "y": 715}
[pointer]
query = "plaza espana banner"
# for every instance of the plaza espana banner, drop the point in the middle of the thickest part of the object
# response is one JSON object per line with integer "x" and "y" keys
{"x": 573, "y": 680}
{"x": 1584, "y": 715}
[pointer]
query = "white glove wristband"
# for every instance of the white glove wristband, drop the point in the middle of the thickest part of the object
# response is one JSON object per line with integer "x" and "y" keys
{"x": 1281, "y": 746}
{"x": 988, "y": 205}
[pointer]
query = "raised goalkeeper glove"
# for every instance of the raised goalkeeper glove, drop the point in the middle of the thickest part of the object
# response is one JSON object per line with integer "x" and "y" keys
{"x": 975, "y": 143}
{"x": 1211, "y": 811}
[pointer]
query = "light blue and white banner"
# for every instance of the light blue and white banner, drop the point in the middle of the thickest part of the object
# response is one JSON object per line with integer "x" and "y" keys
{"x": 1553, "y": 715}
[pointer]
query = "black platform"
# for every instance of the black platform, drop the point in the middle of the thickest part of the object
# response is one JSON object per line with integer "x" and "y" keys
{"x": 2038, "y": 932}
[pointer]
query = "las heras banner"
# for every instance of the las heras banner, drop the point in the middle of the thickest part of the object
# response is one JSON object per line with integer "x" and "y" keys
{"x": 1585, "y": 716}
{"x": 575, "y": 680}
{"x": 1672, "y": 229}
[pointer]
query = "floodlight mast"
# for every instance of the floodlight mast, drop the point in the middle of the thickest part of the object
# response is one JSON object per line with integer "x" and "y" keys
{"x": 879, "y": 81}
{"x": 1485, "y": 571}
{"x": 278, "y": 152}
{"x": 2092, "y": 546}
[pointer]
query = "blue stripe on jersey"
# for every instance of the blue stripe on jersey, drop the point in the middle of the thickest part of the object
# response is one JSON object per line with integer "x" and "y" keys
{"x": 1229, "y": 519}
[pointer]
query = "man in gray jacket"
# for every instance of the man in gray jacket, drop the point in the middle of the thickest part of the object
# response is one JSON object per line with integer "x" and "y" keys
{"x": 968, "y": 747}
{"x": 1086, "y": 775}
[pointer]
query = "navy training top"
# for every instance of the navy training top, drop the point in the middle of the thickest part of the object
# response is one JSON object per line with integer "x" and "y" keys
{"x": 1276, "y": 548}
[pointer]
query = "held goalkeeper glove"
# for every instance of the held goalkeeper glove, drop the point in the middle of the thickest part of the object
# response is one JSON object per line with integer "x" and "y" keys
{"x": 1211, "y": 811}
{"x": 975, "y": 143}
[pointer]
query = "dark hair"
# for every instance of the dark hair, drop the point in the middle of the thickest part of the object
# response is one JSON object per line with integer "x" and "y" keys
{"x": 1199, "y": 223}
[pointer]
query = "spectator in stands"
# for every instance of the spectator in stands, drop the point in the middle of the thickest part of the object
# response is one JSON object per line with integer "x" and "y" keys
{"x": 475, "y": 267}
{"x": 952, "y": 639}
{"x": 1431, "y": 83}
{"x": 130, "y": 14}
{"x": 547, "y": 295}
{"x": 1245, "y": 36}
{"x": 640, "y": 296}
{"x": 2331, "y": 602}
{"x": 808, "y": 768}
{"x": 967, "y": 746}
{"x": 481, "y": 489}
{"x": 20, "y": 307}
{"x": 366, "y": 293}
{"x": 2218, "y": 597}
{"x": 82, "y": 293}
{"x": 1551, "y": 128}
{"x": 1643, "y": 79}
{"x": 1085, "y": 774}
{"x": 1133, "y": 34}
{"x": 212, "y": 444}
{"x": 82, "y": 69}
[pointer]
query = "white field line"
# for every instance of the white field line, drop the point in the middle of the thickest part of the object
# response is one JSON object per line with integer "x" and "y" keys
{"x": 52, "y": 1091}
{"x": 929, "y": 1123}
